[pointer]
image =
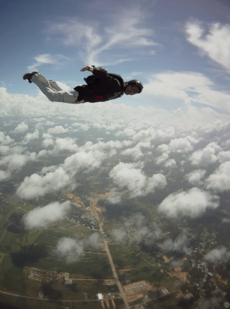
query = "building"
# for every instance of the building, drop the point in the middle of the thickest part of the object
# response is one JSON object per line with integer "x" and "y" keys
{"x": 100, "y": 296}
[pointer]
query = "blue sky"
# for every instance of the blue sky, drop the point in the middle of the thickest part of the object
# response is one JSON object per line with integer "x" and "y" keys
{"x": 179, "y": 46}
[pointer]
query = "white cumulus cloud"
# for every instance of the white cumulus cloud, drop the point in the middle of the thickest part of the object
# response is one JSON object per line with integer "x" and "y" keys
{"x": 192, "y": 203}
{"x": 84, "y": 160}
{"x": 220, "y": 180}
{"x": 205, "y": 156}
{"x": 42, "y": 217}
{"x": 5, "y": 139}
{"x": 217, "y": 255}
{"x": 21, "y": 128}
{"x": 31, "y": 136}
{"x": 72, "y": 249}
{"x": 195, "y": 177}
{"x": 37, "y": 185}
{"x": 128, "y": 176}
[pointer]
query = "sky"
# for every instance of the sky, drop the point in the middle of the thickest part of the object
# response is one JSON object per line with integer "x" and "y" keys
{"x": 179, "y": 50}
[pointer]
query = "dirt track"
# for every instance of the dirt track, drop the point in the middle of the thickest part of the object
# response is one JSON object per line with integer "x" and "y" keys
{"x": 76, "y": 200}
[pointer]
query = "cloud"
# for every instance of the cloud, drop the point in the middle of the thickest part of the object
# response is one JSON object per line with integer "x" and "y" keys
{"x": 170, "y": 163}
{"x": 161, "y": 159}
{"x": 42, "y": 217}
{"x": 21, "y": 128}
{"x": 150, "y": 134}
{"x": 136, "y": 151}
{"x": 215, "y": 44}
{"x": 69, "y": 249}
{"x": 224, "y": 156}
{"x": 176, "y": 85}
{"x": 57, "y": 130}
{"x": 182, "y": 144}
{"x": 54, "y": 178}
{"x": 119, "y": 235}
{"x": 219, "y": 181}
{"x": 208, "y": 303}
{"x": 127, "y": 132}
{"x": 57, "y": 178}
{"x": 180, "y": 244}
{"x": 217, "y": 255}
{"x": 80, "y": 126}
{"x": 195, "y": 177}
{"x": 47, "y": 59}
{"x": 101, "y": 146}
{"x": 134, "y": 229}
{"x": 163, "y": 148}
{"x": 47, "y": 142}
{"x": 173, "y": 90}
{"x": 92, "y": 241}
{"x": 36, "y": 185}
{"x": 5, "y": 139}
{"x": 143, "y": 126}
{"x": 156, "y": 123}
{"x": 176, "y": 263}
{"x": 192, "y": 203}
{"x": 4, "y": 175}
{"x": 61, "y": 144}
{"x": 31, "y": 136}
{"x": 128, "y": 176}
{"x": 137, "y": 230}
{"x": 176, "y": 145}
{"x": 15, "y": 162}
{"x": 93, "y": 42}
{"x": 72, "y": 249}
{"x": 84, "y": 160}
{"x": 205, "y": 156}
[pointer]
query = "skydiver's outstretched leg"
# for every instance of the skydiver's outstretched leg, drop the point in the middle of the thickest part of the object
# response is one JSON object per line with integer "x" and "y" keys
{"x": 54, "y": 85}
{"x": 51, "y": 90}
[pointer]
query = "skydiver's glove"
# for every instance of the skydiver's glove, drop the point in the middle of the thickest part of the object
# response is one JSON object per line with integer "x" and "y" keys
{"x": 87, "y": 68}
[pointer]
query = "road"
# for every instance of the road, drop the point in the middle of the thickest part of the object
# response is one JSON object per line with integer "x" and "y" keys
{"x": 115, "y": 274}
{"x": 93, "y": 204}
{"x": 53, "y": 300}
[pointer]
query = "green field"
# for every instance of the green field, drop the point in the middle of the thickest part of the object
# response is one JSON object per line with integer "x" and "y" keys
{"x": 35, "y": 248}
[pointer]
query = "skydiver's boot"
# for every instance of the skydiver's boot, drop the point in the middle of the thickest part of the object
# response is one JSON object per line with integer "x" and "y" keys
{"x": 28, "y": 76}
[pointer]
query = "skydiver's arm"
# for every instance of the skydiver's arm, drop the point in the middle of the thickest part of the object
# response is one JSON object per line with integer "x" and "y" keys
{"x": 101, "y": 74}
{"x": 88, "y": 68}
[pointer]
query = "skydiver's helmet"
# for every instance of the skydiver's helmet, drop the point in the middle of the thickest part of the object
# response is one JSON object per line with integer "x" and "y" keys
{"x": 136, "y": 83}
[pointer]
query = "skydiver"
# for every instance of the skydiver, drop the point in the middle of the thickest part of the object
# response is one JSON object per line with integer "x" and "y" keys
{"x": 99, "y": 87}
